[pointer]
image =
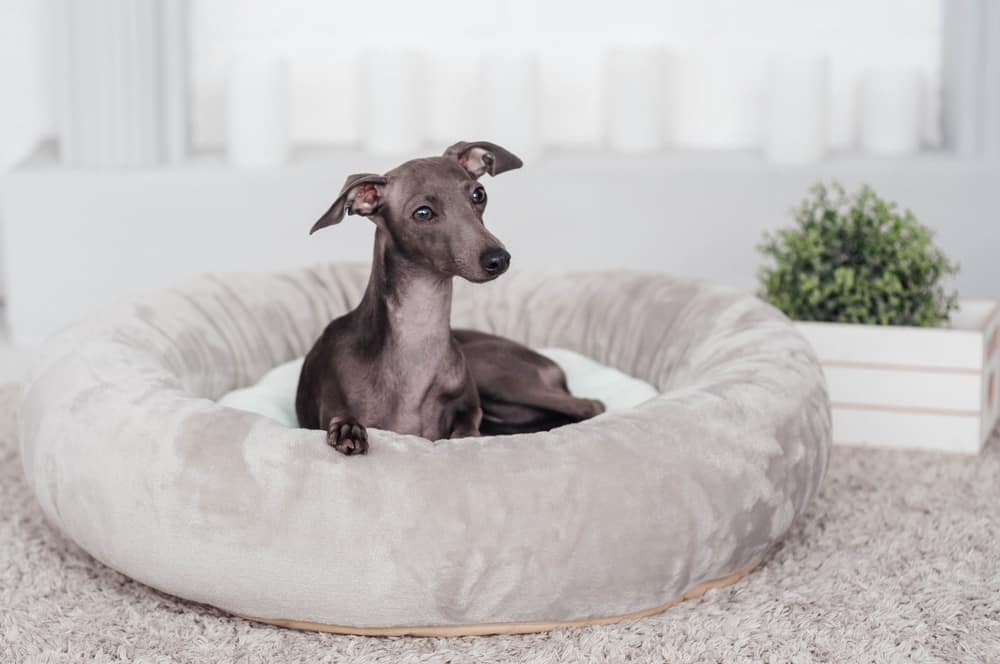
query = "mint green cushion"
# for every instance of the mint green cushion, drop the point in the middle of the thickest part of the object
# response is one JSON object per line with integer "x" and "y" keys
{"x": 274, "y": 394}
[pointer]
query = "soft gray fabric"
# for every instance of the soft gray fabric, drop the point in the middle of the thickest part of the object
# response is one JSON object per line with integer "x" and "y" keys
{"x": 894, "y": 561}
{"x": 130, "y": 457}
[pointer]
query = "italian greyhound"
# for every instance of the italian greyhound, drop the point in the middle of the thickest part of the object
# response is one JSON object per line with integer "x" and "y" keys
{"x": 394, "y": 362}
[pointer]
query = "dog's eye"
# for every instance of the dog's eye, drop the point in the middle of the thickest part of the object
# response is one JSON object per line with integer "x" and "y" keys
{"x": 423, "y": 213}
{"x": 478, "y": 195}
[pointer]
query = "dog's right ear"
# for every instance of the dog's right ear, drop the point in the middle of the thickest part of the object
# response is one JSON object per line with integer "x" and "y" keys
{"x": 481, "y": 157}
{"x": 362, "y": 194}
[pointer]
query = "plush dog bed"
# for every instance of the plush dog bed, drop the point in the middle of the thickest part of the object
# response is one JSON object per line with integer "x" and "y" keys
{"x": 132, "y": 458}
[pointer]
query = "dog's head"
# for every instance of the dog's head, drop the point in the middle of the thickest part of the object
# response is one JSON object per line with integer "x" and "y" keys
{"x": 433, "y": 208}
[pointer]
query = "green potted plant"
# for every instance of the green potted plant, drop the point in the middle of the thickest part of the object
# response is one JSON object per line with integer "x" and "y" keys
{"x": 857, "y": 259}
{"x": 905, "y": 364}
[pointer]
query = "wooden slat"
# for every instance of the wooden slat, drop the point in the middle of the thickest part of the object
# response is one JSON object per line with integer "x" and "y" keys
{"x": 914, "y": 368}
{"x": 886, "y": 408}
{"x": 950, "y": 432}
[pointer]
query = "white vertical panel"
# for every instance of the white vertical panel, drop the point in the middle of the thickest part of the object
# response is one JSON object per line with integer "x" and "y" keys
{"x": 571, "y": 92}
{"x": 715, "y": 98}
{"x": 452, "y": 93}
{"x": 392, "y": 87}
{"x": 797, "y": 107}
{"x": 257, "y": 110}
{"x": 120, "y": 61}
{"x": 510, "y": 101}
{"x": 326, "y": 104}
{"x": 28, "y": 113}
{"x": 122, "y": 81}
{"x": 962, "y": 75}
{"x": 66, "y": 43}
{"x": 142, "y": 83}
{"x": 83, "y": 79}
{"x": 845, "y": 84}
{"x": 634, "y": 99}
{"x": 892, "y": 110}
{"x": 991, "y": 377}
{"x": 991, "y": 79}
{"x": 174, "y": 57}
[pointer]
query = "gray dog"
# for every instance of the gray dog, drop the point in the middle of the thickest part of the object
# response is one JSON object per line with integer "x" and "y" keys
{"x": 394, "y": 362}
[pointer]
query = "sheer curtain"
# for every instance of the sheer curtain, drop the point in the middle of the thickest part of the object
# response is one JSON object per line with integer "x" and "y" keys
{"x": 855, "y": 35}
{"x": 27, "y": 116}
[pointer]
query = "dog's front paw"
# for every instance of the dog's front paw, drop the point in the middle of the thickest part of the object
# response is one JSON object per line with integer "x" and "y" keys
{"x": 347, "y": 436}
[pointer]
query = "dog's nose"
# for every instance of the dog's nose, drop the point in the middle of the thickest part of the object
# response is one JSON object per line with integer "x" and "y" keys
{"x": 495, "y": 261}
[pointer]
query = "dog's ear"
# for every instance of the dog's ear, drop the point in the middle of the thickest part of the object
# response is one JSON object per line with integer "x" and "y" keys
{"x": 483, "y": 157}
{"x": 362, "y": 194}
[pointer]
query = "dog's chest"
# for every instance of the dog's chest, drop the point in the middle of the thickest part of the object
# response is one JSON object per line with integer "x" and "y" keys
{"x": 419, "y": 394}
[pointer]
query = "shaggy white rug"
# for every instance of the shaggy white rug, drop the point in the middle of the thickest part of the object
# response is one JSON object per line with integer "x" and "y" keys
{"x": 896, "y": 560}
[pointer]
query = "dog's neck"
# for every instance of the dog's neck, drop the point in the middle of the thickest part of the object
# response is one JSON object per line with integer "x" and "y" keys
{"x": 406, "y": 304}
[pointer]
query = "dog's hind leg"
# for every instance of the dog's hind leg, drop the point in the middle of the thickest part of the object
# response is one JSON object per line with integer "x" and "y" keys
{"x": 520, "y": 390}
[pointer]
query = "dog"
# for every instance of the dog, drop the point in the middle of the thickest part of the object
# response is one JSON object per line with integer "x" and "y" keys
{"x": 394, "y": 362}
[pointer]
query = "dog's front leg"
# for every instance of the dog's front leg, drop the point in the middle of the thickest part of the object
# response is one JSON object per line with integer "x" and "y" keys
{"x": 326, "y": 399}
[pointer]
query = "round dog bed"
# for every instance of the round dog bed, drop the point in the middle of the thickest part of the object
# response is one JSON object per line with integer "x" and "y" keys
{"x": 618, "y": 516}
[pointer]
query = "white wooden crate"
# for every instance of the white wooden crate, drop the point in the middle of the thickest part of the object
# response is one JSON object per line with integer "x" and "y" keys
{"x": 909, "y": 387}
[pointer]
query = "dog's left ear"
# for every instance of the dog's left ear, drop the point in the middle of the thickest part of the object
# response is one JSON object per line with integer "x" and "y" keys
{"x": 483, "y": 157}
{"x": 361, "y": 194}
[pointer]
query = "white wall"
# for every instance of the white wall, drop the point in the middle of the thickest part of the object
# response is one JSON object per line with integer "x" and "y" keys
{"x": 81, "y": 239}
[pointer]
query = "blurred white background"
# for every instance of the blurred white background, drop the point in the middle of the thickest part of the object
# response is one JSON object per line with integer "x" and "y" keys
{"x": 148, "y": 140}
{"x": 732, "y": 38}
